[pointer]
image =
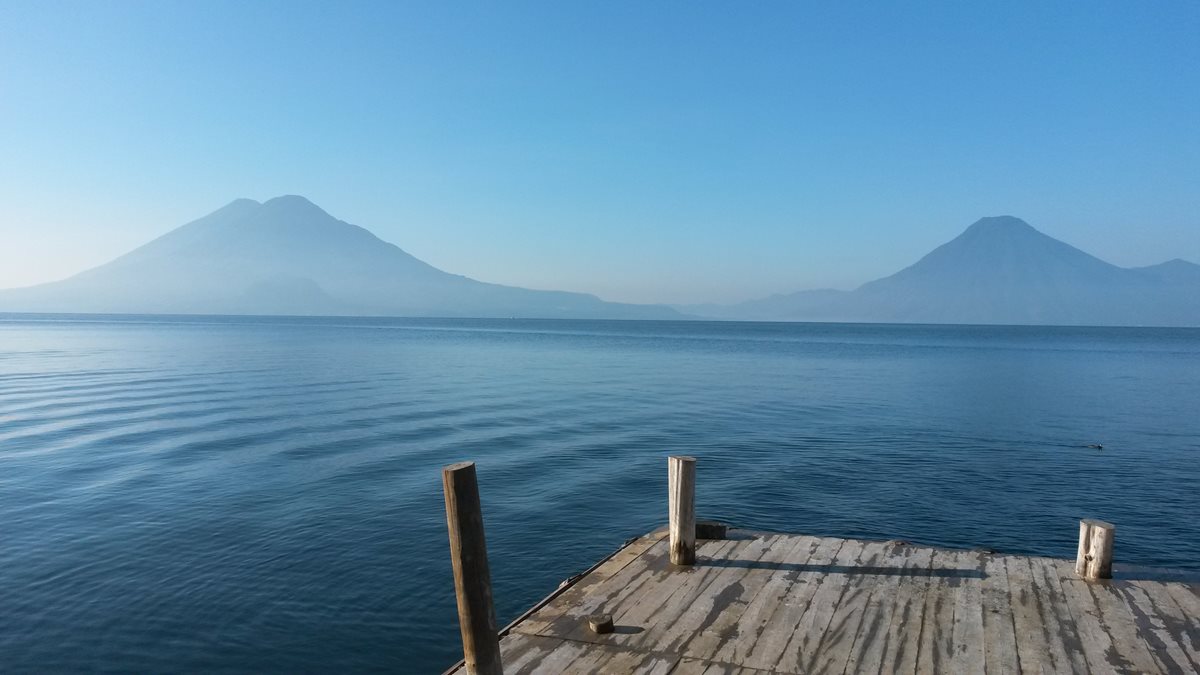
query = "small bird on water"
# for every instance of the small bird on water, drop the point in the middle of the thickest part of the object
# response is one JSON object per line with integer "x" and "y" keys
{"x": 1096, "y": 446}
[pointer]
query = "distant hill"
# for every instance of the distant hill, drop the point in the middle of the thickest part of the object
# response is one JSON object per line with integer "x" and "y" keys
{"x": 287, "y": 256}
{"x": 999, "y": 271}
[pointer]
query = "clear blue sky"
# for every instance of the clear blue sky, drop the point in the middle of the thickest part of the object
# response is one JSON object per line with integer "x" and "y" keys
{"x": 645, "y": 151}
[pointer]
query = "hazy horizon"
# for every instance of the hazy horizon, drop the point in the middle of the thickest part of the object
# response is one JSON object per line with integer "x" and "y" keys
{"x": 641, "y": 154}
{"x": 549, "y": 288}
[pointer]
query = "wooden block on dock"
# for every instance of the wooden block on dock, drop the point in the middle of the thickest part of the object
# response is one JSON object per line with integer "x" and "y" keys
{"x": 710, "y": 529}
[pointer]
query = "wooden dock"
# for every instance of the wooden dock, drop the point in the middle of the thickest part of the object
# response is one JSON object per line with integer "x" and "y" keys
{"x": 783, "y": 603}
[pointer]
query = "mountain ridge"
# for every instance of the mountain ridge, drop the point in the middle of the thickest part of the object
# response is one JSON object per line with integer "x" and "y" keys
{"x": 287, "y": 255}
{"x": 999, "y": 270}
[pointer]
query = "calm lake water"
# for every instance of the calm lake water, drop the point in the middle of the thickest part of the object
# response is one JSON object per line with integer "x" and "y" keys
{"x": 263, "y": 495}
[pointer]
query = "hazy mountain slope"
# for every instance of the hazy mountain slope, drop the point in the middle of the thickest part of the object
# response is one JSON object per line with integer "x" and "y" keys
{"x": 1001, "y": 270}
{"x": 823, "y": 302}
{"x": 1172, "y": 272}
{"x": 287, "y": 256}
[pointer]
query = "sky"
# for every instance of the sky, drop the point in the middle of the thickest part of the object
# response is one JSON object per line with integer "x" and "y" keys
{"x": 644, "y": 152}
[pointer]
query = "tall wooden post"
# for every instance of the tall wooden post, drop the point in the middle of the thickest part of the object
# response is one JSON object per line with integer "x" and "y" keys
{"x": 681, "y": 493}
{"x": 472, "y": 579}
{"x": 1094, "y": 560}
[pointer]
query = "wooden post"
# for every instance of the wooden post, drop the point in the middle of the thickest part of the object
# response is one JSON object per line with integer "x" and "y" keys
{"x": 472, "y": 579}
{"x": 681, "y": 492}
{"x": 1094, "y": 560}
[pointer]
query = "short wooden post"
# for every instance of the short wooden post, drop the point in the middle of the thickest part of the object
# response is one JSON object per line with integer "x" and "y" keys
{"x": 1094, "y": 560}
{"x": 681, "y": 478}
{"x": 472, "y": 579}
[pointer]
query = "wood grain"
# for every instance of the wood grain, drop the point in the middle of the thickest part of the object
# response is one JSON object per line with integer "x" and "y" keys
{"x": 789, "y": 604}
{"x": 472, "y": 578}
{"x": 681, "y": 503}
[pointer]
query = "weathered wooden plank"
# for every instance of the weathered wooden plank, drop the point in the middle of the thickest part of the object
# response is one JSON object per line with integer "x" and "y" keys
{"x": 999, "y": 632}
{"x": 605, "y": 659}
{"x": 719, "y": 629}
{"x": 793, "y": 604}
{"x": 867, "y": 648}
{"x": 903, "y": 639}
{"x": 1162, "y": 624}
{"x": 534, "y": 654}
{"x": 631, "y": 595}
{"x": 968, "y": 652}
{"x": 1098, "y": 647}
{"x": 639, "y": 663}
{"x": 1063, "y": 646}
{"x": 1050, "y": 574}
{"x": 1188, "y": 601}
{"x": 866, "y": 652}
{"x": 937, "y": 621}
{"x": 639, "y": 576}
{"x": 1034, "y": 653}
{"x": 1187, "y": 596}
{"x": 588, "y": 659}
{"x": 786, "y": 592}
{"x": 689, "y": 666}
{"x": 521, "y": 653}
{"x": 621, "y": 558}
{"x": 724, "y": 586}
{"x": 800, "y": 649}
{"x": 1128, "y": 651}
{"x": 541, "y": 619}
{"x": 837, "y": 642}
{"x": 667, "y": 598}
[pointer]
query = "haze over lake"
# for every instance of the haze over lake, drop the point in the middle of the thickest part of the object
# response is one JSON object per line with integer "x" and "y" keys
{"x": 895, "y": 271}
{"x": 208, "y": 493}
{"x": 287, "y": 256}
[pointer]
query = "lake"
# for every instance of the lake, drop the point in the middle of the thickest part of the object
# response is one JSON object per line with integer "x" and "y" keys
{"x": 264, "y": 494}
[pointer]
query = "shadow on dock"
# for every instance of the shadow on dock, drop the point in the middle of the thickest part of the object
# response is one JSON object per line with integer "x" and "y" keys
{"x": 701, "y": 597}
{"x": 851, "y": 570}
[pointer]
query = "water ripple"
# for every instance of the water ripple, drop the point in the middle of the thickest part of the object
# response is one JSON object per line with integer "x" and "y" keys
{"x": 262, "y": 495}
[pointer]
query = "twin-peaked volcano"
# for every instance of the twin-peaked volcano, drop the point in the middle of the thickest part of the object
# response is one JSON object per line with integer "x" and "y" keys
{"x": 287, "y": 256}
{"x": 1000, "y": 270}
